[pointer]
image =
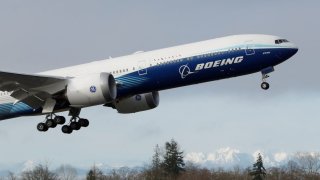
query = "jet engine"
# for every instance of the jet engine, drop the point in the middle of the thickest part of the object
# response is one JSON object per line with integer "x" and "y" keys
{"x": 137, "y": 103}
{"x": 91, "y": 90}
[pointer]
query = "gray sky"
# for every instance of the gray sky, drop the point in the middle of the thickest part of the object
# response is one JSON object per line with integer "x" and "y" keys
{"x": 39, "y": 35}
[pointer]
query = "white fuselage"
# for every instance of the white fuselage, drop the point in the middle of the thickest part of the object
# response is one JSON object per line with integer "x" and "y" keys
{"x": 119, "y": 66}
{"x": 177, "y": 66}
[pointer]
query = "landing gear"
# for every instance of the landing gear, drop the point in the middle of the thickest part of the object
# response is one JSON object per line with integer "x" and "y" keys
{"x": 84, "y": 122}
{"x": 42, "y": 127}
{"x": 51, "y": 121}
{"x": 75, "y": 123}
{"x": 265, "y": 85}
{"x": 60, "y": 119}
{"x": 66, "y": 129}
{"x": 75, "y": 126}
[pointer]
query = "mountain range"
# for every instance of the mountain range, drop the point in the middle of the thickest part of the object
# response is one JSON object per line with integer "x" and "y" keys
{"x": 226, "y": 158}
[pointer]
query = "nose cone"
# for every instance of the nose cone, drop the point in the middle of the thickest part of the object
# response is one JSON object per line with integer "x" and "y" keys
{"x": 287, "y": 52}
{"x": 292, "y": 50}
{"x": 296, "y": 49}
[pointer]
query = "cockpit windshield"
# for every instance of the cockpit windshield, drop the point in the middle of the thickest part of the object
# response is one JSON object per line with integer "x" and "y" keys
{"x": 279, "y": 41}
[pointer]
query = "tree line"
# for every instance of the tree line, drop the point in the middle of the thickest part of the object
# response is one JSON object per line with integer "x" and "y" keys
{"x": 168, "y": 164}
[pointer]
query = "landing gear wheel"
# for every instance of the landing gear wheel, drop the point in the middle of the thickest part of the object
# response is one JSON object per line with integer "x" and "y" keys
{"x": 42, "y": 127}
{"x": 84, "y": 122}
{"x": 51, "y": 123}
{"x": 60, "y": 119}
{"x": 66, "y": 129}
{"x": 265, "y": 85}
{"x": 75, "y": 126}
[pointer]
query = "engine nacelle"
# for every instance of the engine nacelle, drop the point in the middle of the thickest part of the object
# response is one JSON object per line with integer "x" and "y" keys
{"x": 91, "y": 90}
{"x": 137, "y": 103}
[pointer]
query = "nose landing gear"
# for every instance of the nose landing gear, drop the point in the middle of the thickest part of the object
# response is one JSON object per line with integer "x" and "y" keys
{"x": 265, "y": 85}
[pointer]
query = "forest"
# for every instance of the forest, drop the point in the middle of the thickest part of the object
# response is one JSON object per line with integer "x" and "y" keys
{"x": 168, "y": 164}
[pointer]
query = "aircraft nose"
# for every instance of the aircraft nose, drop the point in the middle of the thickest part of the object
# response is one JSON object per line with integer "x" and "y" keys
{"x": 291, "y": 52}
{"x": 293, "y": 46}
{"x": 294, "y": 49}
{"x": 288, "y": 52}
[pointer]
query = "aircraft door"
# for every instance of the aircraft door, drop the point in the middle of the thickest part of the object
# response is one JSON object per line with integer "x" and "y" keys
{"x": 142, "y": 68}
{"x": 249, "y": 48}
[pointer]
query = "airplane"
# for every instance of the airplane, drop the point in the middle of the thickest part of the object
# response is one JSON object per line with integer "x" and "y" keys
{"x": 132, "y": 83}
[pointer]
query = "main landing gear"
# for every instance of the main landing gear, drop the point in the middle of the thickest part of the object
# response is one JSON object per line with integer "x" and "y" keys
{"x": 75, "y": 122}
{"x": 51, "y": 122}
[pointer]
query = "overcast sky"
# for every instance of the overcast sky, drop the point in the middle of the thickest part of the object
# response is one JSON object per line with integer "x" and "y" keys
{"x": 39, "y": 35}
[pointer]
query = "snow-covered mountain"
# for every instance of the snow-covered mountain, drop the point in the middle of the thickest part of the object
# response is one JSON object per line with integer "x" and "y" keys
{"x": 226, "y": 158}
{"x": 229, "y": 158}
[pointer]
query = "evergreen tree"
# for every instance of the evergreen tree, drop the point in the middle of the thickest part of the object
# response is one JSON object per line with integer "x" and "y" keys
{"x": 173, "y": 163}
{"x": 258, "y": 172}
{"x": 95, "y": 174}
{"x": 156, "y": 161}
{"x": 156, "y": 171}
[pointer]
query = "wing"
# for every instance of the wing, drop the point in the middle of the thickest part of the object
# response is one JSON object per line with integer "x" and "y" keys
{"x": 34, "y": 90}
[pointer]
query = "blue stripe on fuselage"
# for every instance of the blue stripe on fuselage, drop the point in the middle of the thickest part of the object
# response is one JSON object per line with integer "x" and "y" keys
{"x": 167, "y": 75}
{"x": 10, "y": 110}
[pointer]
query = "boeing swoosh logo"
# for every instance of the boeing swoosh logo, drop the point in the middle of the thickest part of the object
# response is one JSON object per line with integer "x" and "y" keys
{"x": 184, "y": 71}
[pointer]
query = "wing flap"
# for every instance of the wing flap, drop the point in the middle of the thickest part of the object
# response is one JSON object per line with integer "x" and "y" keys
{"x": 20, "y": 94}
{"x": 33, "y": 102}
{"x": 34, "y": 90}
